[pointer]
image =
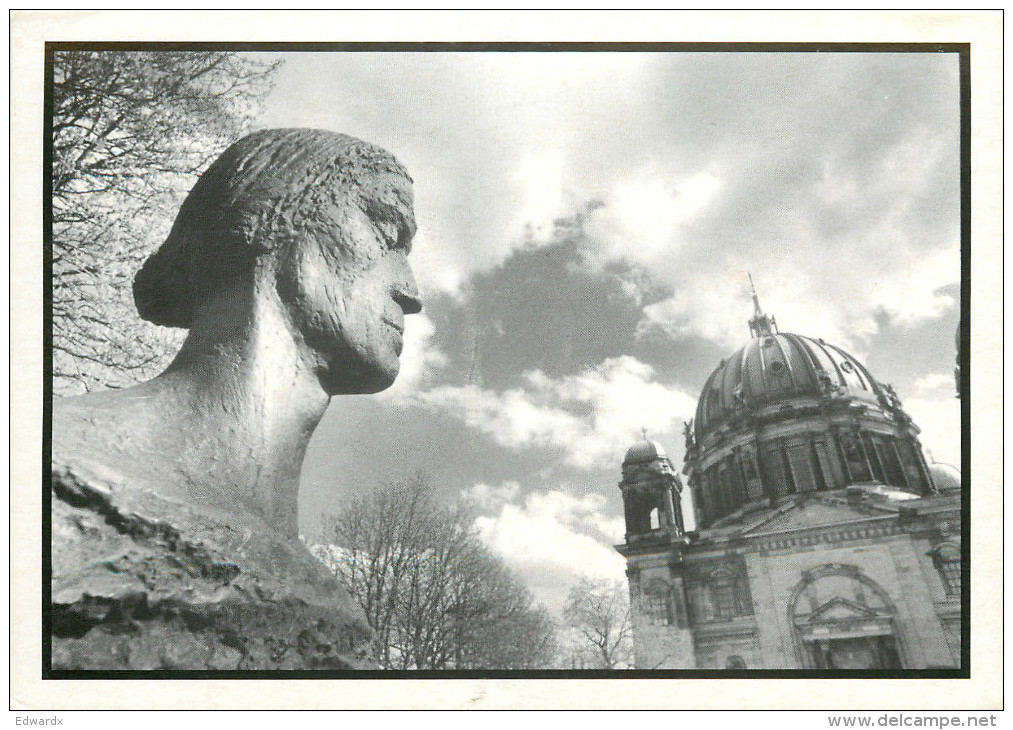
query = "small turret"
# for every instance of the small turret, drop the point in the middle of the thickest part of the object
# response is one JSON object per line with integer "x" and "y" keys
{"x": 652, "y": 492}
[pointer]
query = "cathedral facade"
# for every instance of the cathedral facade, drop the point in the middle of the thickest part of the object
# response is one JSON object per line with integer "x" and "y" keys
{"x": 823, "y": 540}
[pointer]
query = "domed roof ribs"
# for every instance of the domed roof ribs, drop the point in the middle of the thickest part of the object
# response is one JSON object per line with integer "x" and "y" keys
{"x": 764, "y": 383}
{"x": 841, "y": 380}
{"x": 761, "y": 324}
{"x": 872, "y": 384}
{"x": 786, "y": 358}
{"x": 861, "y": 373}
{"x": 703, "y": 407}
{"x": 808, "y": 357}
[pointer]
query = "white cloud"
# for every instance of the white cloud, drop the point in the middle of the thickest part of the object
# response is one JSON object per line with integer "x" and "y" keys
{"x": 548, "y": 541}
{"x": 436, "y": 269}
{"x": 539, "y": 182}
{"x": 912, "y": 295}
{"x": 936, "y": 410}
{"x": 640, "y": 218}
{"x": 819, "y": 270}
{"x": 486, "y": 495}
{"x": 707, "y": 164}
{"x": 938, "y": 385}
{"x": 827, "y": 295}
{"x": 591, "y": 416}
{"x": 835, "y": 236}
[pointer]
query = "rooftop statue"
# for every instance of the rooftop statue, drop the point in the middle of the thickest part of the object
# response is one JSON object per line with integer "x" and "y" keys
{"x": 174, "y": 527}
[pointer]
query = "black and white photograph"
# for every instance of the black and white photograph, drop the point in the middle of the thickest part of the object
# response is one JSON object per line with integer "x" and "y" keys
{"x": 496, "y": 360}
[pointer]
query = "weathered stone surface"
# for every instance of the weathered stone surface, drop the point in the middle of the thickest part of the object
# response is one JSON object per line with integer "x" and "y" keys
{"x": 175, "y": 535}
{"x": 147, "y": 584}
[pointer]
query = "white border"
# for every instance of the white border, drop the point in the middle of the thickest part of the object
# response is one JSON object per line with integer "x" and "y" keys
{"x": 30, "y": 29}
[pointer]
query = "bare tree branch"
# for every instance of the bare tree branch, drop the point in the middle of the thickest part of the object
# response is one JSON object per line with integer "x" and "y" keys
{"x": 599, "y": 612}
{"x": 130, "y": 132}
{"x": 436, "y": 597}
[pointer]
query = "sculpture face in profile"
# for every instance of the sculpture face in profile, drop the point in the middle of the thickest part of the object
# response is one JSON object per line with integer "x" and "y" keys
{"x": 349, "y": 289}
{"x": 324, "y": 219}
{"x": 288, "y": 265}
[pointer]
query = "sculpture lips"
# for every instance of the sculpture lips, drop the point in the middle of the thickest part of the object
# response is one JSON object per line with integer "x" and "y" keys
{"x": 395, "y": 325}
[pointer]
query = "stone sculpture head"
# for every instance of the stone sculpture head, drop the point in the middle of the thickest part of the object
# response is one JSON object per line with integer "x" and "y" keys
{"x": 288, "y": 265}
{"x": 319, "y": 223}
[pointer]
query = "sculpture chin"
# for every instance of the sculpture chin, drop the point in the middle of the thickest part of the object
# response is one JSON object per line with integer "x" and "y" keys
{"x": 366, "y": 382}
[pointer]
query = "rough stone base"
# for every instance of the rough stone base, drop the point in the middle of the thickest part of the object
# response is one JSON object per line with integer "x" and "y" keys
{"x": 139, "y": 583}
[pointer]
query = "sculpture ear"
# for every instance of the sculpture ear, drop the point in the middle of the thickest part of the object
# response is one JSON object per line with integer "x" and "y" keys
{"x": 241, "y": 227}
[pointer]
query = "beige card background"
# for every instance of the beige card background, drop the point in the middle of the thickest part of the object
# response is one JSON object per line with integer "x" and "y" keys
{"x": 29, "y": 31}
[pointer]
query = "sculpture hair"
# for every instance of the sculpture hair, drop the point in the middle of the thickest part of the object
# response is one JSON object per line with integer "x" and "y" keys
{"x": 258, "y": 193}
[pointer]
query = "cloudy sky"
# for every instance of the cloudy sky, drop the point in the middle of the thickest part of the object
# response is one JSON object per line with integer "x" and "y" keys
{"x": 586, "y": 222}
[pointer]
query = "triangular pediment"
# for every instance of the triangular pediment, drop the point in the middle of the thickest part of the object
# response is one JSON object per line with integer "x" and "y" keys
{"x": 841, "y": 609}
{"x": 808, "y": 513}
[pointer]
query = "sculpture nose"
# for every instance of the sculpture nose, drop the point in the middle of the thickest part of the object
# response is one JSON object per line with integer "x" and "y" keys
{"x": 406, "y": 294}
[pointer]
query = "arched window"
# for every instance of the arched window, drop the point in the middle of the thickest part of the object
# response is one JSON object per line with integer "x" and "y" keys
{"x": 720, "y": 594}
{"x": 717, "y": 496}
{"x": 874, "y": 461}
{"x": 751, "y": 478}
{"x": 828, "y": 463}
{"x": 800, "y": 462}
{"x": 851, "y": 448}
{"x": 657, "y": 603}
{"x": 774, "y": 472}
{"x": 702, "y": 501}
{"x": 891, "y": 461}
{"x": 833, "y": 595}
{"x": 911, "y": 464}
{"x": 819, "y": 477}
{"x": 722, "y": 590}
{"x": 735, "y": 662}
{"x": 946, "y": 558}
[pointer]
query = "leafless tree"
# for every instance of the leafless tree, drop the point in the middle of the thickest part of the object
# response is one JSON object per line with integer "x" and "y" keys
{"x": 131, "y": 131}
{"x": 434, "y": 594}
{"x": 598, "y": 611}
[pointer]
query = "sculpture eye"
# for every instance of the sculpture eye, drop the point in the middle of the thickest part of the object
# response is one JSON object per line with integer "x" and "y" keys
{"x": 388, "y": 232}
{"x": 404, "y": 240}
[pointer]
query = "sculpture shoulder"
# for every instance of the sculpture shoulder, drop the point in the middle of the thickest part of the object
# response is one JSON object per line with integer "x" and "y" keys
{"x": 140, "y": 582}
{"x": 105, "y": 428}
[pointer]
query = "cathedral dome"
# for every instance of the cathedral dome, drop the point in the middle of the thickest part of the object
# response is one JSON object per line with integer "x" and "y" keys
{"x": 776, "y": 368}
{"x": 644, "y": 451}
{"x": 788, "y": 414}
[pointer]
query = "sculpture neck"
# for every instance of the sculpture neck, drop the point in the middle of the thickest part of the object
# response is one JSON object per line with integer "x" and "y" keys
{"x": 223, "y": 429}
{"x": 250, "y": 404}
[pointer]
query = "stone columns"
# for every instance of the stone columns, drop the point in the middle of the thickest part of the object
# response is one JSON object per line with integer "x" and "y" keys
{"x": 669, "y": 507}
{"x": 900, "y": 462}
{"x": 861, "y": 447}
{"x": 843, "y": 457}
